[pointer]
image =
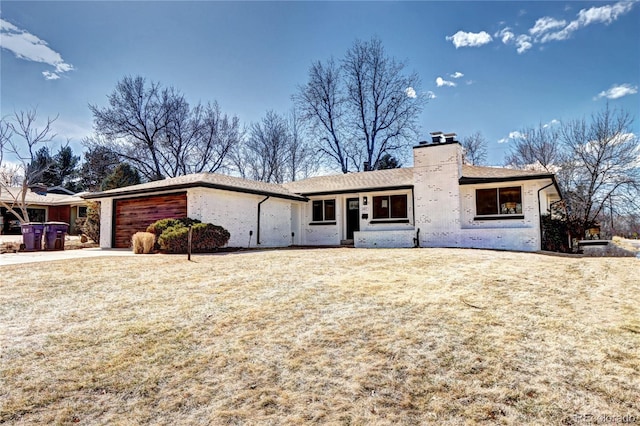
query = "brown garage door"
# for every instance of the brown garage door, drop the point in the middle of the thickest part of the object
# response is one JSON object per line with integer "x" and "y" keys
{"x": 135, "y": 214}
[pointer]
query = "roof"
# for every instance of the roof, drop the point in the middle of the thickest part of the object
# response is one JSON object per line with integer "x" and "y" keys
{"x": 8, "y": 195}
{"x": 354, "y": 182}
{"x": 479, "y": 174}
{"x": 377, "y": 180}
{"x": 205, "y": 180}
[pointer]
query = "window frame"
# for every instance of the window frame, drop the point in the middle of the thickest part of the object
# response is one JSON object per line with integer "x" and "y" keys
{"x": 389, "y": 218}
{"x": 328, "y": 205}
{"x": 518, "y": 208}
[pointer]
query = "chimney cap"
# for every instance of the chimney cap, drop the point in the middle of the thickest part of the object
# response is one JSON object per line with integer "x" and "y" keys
{"x": 436, "y": 133}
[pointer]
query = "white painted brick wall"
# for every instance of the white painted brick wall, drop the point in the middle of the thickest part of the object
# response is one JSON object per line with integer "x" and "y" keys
{"x": 437, "y": 169}
{"x": 106, "y": 214}
{"x": 384, "y": 239}
{"x": 238, "y": 213}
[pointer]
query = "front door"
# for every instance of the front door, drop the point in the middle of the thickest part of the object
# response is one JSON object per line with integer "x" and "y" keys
{"x": 353, "y": 217}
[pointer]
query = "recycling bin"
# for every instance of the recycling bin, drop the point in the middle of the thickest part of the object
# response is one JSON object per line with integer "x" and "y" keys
{"x": 54, "y": 233}
{"x": 32, "y": 235}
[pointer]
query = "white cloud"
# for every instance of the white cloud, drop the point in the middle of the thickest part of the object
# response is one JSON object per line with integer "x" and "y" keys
{"x": 594, "y": 15}
{"x": 48, "y": 75}
{"x": 506, "y": 35}
{"x": 31, "y": 48}
{"x": 512, "y": 135}
{"x": 546, "y": 24}
{"x": 442, "y": 82}
{"x": 467, "y": 39}
{"x": 411, "y": 92}
{"x": 619, "y": 91}
{"x": 456, "y": 74}
{"x": 431, "y": 95}
{"x": 551, "y": 123}
{"x": 523, "y": 42}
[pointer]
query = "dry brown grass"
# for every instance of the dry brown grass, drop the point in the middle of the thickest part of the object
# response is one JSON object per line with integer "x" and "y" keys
{"x": 142, "y": 242}
{"x": 338, "y": 336}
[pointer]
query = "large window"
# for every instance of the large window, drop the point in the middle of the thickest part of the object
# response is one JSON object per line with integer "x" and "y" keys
{"x": 499, "y": 201}
{"x": 390, "y": 207}
{"x": 324, "y": 210}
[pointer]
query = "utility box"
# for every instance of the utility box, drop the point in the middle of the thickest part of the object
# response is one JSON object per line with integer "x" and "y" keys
{"x": 54, "y": 234}
{"x": 32, "y": 235}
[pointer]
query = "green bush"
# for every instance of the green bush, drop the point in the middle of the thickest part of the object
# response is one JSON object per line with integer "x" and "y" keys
{"x": 159, "y": 226}
{"x": 172, "y": 235}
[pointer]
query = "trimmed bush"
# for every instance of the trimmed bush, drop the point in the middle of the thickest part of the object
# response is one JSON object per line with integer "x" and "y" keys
{"x": 159, "y": 226}
{"x": 173, "y": 235}
{"x": 143, "y": 242}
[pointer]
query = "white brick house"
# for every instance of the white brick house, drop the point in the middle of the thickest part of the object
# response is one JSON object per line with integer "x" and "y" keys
{"x": 439, "y": 202}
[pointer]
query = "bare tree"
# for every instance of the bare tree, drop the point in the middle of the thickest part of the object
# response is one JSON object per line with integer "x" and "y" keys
{"x": 364, "y": 108}
{"x": 601, "y": 169}
{"x": 474, "y": 149}
{"x": 322, "y": 103}
{"x": 157, "y": 131}
{"x": 20, "y": 138}
{"x": 301, "y": 157}
{"x": 275, "y": 150}
{"x": 536, "y": 147}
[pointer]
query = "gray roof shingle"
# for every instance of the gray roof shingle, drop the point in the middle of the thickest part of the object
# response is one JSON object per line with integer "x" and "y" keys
{"x": 353, "y": 182}
{"x": 207, "y": 180}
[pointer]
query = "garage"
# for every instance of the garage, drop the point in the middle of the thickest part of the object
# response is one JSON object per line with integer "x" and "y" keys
{"x": 135, "y": 214}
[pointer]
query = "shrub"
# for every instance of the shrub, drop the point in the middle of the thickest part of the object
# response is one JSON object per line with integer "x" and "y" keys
{"x": 143, "y": 242}
{"x": 159, "y": 226}
{"x": 173, "y": 235}
{"x": 90, "y": 226}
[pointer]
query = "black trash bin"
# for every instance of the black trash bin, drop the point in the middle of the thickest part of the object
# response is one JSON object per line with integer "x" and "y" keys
{"x": 54, "y": 233}
{"x": 32, "y": 235}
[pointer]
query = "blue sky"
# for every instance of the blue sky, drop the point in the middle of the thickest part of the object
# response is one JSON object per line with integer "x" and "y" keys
{"x": 492, "y": 67}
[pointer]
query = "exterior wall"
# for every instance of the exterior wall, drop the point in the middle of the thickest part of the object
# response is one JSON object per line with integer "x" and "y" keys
{"x": 238, "y": 213}
{"x": 445, "y": 210}
{"x": 323, "y": 234}
{"x": 437, "y": 169}
{"x": 106, "y": 222}
{"x": 384, "y": 239}
{"x": 507, "y": 234}
{"x": 391, "y": 234}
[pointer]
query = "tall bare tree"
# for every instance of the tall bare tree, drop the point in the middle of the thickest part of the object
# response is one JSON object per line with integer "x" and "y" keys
{"x": 474, "y": 149}
{"x": 275, "y": 150}
{"x": 536, "y": 147}
{"x": 362, "y": 109}
{"x": 20, "y": 138}
{"x": 157, "y": 131}
{"x": 601, "y": 169}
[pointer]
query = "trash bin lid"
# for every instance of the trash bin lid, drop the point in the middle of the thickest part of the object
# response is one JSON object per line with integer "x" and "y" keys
{"x": 56, "y": 223}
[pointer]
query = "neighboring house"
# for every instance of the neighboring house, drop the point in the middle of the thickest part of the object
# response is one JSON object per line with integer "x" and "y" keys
{"x": 52, "y": 207}
{"x": 439, "y": 202}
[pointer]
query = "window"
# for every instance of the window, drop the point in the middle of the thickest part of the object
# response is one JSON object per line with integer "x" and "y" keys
{"x": 324, "y": 210}
{"x": 499, "y": 201}
{"x": 390, "y": 207}
{"x": 82, "y": 211}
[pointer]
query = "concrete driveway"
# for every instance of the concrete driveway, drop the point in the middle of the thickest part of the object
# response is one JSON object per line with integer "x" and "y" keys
{"x": 47, "y": 256}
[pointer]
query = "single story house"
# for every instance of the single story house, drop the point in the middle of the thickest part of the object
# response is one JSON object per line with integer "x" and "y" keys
{"x": 49, "y": 207}
{"x": 439, "y": 202}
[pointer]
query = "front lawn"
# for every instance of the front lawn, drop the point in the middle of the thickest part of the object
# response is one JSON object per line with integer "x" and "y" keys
{"x": 341, "y": 336}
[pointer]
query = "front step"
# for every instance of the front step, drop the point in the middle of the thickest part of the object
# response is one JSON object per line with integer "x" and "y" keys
{"x": 346, "y": 243}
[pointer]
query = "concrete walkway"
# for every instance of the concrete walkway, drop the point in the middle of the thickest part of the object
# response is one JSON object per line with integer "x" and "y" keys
{"x": 47, "y": 256}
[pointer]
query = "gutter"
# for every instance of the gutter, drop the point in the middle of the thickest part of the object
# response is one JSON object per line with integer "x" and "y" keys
{"x": 258, "y": 231}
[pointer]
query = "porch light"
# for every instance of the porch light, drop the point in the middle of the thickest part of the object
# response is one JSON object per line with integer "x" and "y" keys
{"x": 364, "y": 200}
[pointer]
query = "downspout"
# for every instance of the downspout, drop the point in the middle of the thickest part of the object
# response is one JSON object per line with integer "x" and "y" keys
{"x": 258, "y": 230}
{"x": 416, "y": 240}
{"x": 540, "y": 212}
